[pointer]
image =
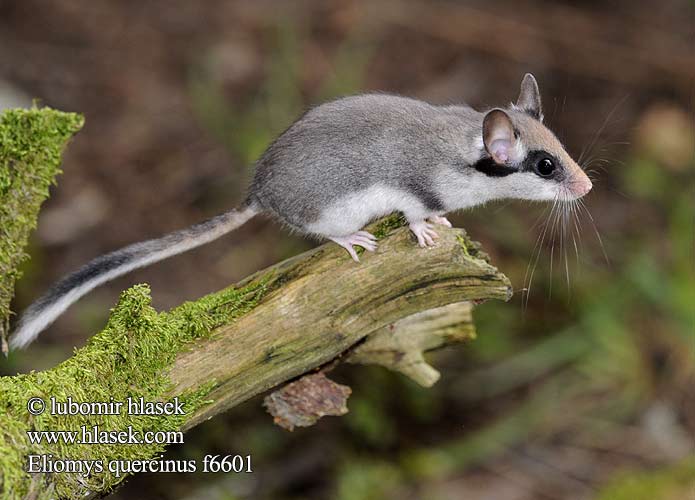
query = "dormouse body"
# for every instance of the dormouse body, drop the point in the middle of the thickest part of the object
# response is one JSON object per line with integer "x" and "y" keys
{"x": 349, "y": 161}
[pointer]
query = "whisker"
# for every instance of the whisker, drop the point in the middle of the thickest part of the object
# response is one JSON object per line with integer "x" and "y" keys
{"x": 535, "y": 256}
{"x": 553, "y": 230}
{"x": 601, "y": 129}
{"x": 540, "y": 217}
{"x": 583, "y": 207}
{"x": 531, "y": 267}
{"x": 565, "y": 221}
{"x": 576, "y": 227}
{"x": 502, "y": 207}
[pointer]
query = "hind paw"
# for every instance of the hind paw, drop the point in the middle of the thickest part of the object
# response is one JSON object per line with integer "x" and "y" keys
{"x": 362, "y": 238}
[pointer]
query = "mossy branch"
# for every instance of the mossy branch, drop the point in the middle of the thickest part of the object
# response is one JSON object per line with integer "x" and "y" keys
{"x": 319, "y": 305}
{"x": 31, "y": 145}
{"x": 305, "y": 313}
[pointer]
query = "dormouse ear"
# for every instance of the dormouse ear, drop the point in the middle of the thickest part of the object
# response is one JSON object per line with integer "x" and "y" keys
{"x": 530, "y": 97}
{"x": 498, "y": 136}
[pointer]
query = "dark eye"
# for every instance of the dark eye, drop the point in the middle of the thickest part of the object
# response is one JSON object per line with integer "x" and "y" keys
{"x": 545, "y": 167}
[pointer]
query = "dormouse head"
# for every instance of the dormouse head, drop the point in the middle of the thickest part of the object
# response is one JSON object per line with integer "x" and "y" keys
{"x": 533, "y": 162}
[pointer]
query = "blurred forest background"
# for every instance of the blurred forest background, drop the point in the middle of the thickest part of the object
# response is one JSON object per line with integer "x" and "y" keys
{"x": 583, "y": 388}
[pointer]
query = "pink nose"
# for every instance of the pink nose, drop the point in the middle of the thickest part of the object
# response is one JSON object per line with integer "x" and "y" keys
{"x": 581, "y": 186}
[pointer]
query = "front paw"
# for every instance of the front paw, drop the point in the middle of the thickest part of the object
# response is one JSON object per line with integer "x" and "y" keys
{"x": 424, "y": 233}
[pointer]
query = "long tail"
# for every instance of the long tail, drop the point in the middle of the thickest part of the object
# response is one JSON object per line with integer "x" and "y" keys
{"x": 107, "y": 267}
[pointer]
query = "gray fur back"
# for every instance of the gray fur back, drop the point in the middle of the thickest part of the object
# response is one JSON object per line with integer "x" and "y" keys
{"x": 355, "y": 142}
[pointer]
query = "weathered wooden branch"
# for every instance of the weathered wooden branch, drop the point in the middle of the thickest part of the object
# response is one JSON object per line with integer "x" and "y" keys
{"x": 327, "y": 304}
{"x": 306, "y": 313}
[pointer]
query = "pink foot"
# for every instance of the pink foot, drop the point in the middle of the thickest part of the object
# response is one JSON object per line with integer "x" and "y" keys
{"x": 442, "y": 221}
{"x": 361, "y": 238}
{"x": 424, "y": 233}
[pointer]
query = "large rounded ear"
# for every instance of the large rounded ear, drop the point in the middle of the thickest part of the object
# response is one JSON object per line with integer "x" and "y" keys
{"x": 530, "y": 97}
{"x": 498, "y": 136}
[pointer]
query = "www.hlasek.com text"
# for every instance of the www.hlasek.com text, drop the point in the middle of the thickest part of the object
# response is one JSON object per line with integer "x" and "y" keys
{"x": 95, "y": 435}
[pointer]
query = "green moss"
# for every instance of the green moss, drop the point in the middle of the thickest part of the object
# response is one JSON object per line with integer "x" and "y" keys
{"x": 463, "y": 242}
{"x": 31, "y": 144}
{"x": 472, "y": 248}
{"x": 386, "y": 225}
{"x": 383, "y": 227}
{"x": 129, "y": 358}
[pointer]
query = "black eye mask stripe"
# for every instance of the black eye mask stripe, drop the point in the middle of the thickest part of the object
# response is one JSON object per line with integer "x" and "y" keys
{"x": 488, "y": 166}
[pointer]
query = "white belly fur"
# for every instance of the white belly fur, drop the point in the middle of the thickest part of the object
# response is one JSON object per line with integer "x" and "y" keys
{"x": 352, "y": 212}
